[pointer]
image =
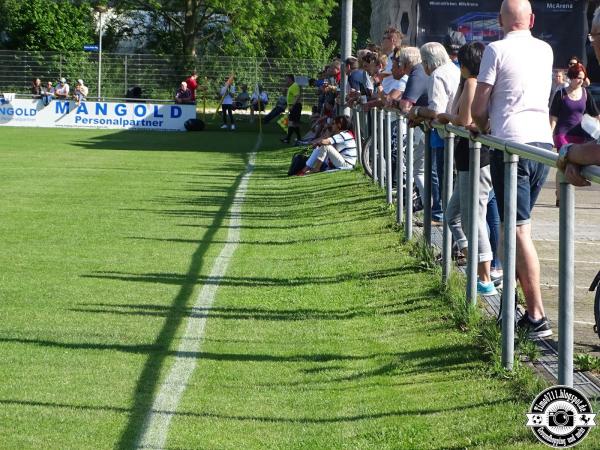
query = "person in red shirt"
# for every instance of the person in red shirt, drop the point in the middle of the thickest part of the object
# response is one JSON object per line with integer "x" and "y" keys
{"x": 192, "y": 84}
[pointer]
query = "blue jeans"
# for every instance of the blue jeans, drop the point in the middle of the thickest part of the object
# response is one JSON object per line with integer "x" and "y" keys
{"x": 437, "y": 181}
{"x": 493, "y": 222}
{"x": 531, "y": 176}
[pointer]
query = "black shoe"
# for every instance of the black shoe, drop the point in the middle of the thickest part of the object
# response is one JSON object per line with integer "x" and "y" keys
{"x": 535, "y": 330}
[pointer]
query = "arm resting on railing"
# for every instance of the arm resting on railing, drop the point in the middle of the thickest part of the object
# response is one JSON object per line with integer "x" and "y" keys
{"x": 573, "y": 156}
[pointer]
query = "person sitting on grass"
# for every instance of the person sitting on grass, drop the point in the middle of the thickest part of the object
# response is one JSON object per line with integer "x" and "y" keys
{"x": 338, "y": 150}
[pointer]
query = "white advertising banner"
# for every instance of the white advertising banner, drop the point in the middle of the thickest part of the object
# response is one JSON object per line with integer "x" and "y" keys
{"x": 96, "y": 115}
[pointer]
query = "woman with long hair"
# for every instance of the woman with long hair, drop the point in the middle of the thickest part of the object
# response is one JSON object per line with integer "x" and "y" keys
{"x": 567, "y": 110}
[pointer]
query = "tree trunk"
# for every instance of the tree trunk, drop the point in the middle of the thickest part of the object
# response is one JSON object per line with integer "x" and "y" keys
{"x": 389, "y": 13}
{"x": 190, "y": 29}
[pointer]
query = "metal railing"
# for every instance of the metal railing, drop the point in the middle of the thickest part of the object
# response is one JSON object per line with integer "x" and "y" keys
{"x": 157, "y": 75}
{"x": 381, "y": 155}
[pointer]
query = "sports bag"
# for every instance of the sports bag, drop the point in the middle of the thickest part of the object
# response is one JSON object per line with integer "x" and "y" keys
{"x": 298, "y": 163}
{"x": 194, "y": 125}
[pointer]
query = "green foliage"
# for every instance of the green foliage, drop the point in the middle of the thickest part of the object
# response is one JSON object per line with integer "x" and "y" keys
{"x": 57, "y": 25}
{"x": 236, "y": 27}
{"x": 361, "y": 25}
{"x": 587, "y": 362}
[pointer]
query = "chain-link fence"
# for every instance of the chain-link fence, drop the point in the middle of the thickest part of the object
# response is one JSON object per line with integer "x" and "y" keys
{"x": 158, "y": 76}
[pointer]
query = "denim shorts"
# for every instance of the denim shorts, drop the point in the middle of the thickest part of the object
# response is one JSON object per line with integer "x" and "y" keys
{"x": 531, "y": 176}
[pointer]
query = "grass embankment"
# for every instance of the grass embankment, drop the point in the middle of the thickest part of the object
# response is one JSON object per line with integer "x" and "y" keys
{"x": 326, "y": 331}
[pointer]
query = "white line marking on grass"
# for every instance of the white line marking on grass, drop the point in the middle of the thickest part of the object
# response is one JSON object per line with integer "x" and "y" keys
{"x": 156, "y": 425}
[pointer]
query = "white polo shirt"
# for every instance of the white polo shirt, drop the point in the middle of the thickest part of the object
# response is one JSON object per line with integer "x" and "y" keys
{"x": 443, "y": 84}
{"x": 519, "y": 67}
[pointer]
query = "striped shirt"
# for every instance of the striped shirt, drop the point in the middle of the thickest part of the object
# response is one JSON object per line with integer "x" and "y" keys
{"x": 345, "y": 144}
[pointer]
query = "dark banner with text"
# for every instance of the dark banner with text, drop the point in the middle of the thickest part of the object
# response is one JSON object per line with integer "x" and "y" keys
{"x": 562, "y": 24}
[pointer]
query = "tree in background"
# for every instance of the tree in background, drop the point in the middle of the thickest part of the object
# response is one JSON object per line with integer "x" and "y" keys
{"x": 55, "y": 25}
{"x": 234, "y": 27}
{"x": 361, "y": 25}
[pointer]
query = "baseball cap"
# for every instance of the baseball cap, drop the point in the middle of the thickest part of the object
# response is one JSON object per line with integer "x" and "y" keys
{"x": 80, "y": 81}
{"x": 63, "y": 80}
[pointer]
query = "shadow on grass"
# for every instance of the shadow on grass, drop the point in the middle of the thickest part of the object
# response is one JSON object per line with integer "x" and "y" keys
{"x": 175, "y": 278}
{"x": 394, "y": 308}
{"x": 255, "y": 418}
{"x": 157, "y": 352}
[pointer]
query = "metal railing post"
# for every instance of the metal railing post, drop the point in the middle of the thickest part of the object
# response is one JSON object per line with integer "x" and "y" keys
{"x": 509, "y": 262}
{"x": 447, "y": 192}
{"x": 374, "y": 141}
{"x": 410, "y": 136}
{"x": 381, "y": 148}
{"x": 388, "y": 157}
{"x": 473, "y": 232}
{"x": 399, "y": 170}
{"x": 358, "y": 134}
{"x": 566, "y": 264}
{"x": 427, "y": 190}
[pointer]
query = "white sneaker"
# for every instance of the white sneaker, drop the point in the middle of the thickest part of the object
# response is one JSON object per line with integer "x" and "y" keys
{"x": 224, "y": 126}
{"x": 233, "y": 126}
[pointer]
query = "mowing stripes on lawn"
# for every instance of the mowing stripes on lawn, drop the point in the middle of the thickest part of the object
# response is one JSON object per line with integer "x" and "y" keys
{"x": 156, "y": 424}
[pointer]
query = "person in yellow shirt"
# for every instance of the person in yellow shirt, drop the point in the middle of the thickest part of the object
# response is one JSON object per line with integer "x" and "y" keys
{"x": 294, "y": 103}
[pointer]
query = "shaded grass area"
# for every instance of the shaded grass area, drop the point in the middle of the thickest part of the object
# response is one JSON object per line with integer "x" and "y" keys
{"x": 85, "y": 216}
{"x": 327, "y": 333}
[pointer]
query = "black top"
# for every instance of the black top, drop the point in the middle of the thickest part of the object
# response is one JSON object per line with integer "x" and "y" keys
{"x": 462, "y": 152}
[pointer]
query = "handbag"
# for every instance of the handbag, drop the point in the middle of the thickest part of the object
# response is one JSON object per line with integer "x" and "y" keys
{"x": 297, "y": 164}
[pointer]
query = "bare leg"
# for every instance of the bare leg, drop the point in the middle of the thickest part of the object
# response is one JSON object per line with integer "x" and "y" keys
{"x": 528, "y": 272}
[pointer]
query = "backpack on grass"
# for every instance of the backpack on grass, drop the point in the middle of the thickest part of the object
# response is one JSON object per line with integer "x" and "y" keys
{"x": 298, "y": 163}
{"x": 194, "y": 125}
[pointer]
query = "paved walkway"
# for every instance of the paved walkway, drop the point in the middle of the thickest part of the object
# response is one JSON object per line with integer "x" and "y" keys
{"x": 587, "y": 259}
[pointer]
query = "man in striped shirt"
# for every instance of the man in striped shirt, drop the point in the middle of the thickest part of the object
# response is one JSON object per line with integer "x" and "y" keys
{"x": 339, "y": 150}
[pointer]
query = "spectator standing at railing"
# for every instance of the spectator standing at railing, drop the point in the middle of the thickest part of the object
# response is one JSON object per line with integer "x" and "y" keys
{"x": 392, "y": 38}
{"x": 415, "y": 94}
{"x": 457, "y": 212}
{"x": 567, "y": 110}
{"x": 572, "y": 156}
{"x": 443, "y": 81}
{"x": 511, "y": 103}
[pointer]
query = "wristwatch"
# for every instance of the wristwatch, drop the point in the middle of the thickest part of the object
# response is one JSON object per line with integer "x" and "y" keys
{"x": 563, "y": 157}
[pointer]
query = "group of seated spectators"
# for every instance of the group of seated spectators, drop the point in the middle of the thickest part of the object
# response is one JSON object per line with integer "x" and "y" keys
{"x": 60, "y": 91}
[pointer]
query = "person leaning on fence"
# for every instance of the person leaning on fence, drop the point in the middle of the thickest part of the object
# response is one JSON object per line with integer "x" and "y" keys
{"x": 415, "y": 94}
{"x": 515, "y": 65}
{"x": 444, "y": 78}
{"x": 567, "y": 110}
{"x": 457, "y": 211}
{"x": 571, "y": 157}
{"x": 80, "y": 92}
{"x": 338, "y": 150}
